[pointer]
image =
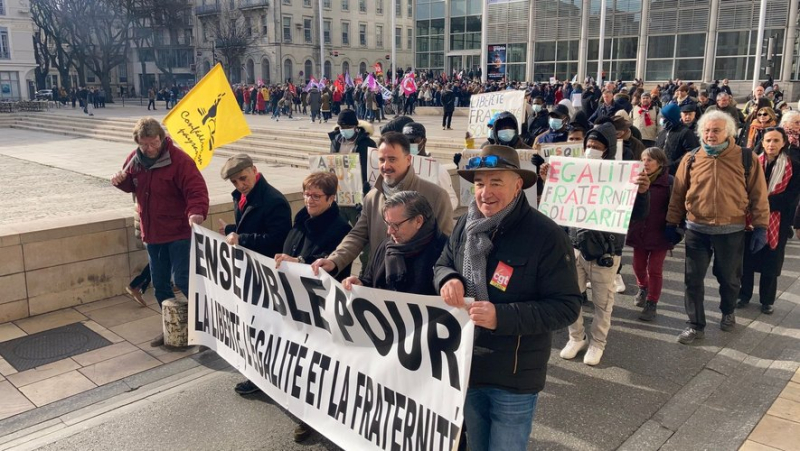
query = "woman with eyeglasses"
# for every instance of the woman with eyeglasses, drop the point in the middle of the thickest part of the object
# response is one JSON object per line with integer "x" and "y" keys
{"x": 783, "y": 183}
{"x": 761, "y": 119}
{"x": 318, "y": 229}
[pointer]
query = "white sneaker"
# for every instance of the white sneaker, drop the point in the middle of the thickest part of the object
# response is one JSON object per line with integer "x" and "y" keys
{"x": 589, "y": 285}
{"x": 619, "y": 284}
{"x": 593, "y": 356}
{"x": 573, "y": 348}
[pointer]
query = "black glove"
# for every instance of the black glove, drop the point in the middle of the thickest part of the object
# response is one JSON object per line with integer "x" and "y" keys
{"x": 537, "y": 160}
{"x": 457, "y": 158}
{"x": 673, "y": 234}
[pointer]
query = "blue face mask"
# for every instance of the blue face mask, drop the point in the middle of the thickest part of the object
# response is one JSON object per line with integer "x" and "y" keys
{"x": 536, "y": 108}
{"x": 716, "y": 149}
{"x": 506, "y": 135}
{"x": 414, "y": 149}
{"x": 348, "y": 133}
{"x": 555, "y": 124}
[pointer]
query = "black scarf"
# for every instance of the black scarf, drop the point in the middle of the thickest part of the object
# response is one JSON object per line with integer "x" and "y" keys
{"x": 394, "y": 268}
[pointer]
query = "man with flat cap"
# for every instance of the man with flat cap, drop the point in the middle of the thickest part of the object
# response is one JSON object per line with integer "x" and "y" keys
{"x": 519, "y": 267}
{"x": 263, "y": 218}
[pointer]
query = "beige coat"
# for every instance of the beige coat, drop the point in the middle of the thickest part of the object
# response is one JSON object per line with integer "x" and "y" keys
{"x": 370, "y": 227}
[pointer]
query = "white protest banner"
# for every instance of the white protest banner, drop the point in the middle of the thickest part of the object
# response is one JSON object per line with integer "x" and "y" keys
{"x": 347, "y": 170}
{"x": 565, "y": 149}
{"x": 591, "y": 194}
{"x": 467, "y": 189}
{"x": 577, "y": 100}
{"x": 426, "y": 168}
{"x": 369, "y": 369}
{"x": 483, "y": 106}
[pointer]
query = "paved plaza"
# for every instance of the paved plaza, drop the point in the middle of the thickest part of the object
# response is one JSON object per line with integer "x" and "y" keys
{"x": 731, "y": 390}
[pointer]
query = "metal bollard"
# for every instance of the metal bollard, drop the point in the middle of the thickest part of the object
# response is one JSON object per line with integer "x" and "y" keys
{"x": 175, "y": 314}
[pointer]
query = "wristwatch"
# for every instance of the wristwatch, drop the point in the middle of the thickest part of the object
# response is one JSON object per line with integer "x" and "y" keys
{"x": 300, "y": 259}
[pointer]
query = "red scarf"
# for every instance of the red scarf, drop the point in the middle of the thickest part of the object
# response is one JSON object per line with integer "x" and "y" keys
{"x": 243, "y": 199}
{"x": 648, "y": 121}
{"x": 773, "y": 230}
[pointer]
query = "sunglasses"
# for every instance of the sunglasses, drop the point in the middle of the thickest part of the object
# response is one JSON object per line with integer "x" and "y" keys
{"x": 762, "y": 114}
{"x": 489, "y": 161}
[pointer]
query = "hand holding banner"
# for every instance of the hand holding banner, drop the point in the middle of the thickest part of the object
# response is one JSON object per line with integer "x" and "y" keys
{"x": 483, "y": 106}
{"x": 591, "y": 194}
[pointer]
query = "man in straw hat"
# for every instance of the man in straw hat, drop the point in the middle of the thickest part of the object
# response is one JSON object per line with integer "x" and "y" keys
{"x": 519, "y": 267}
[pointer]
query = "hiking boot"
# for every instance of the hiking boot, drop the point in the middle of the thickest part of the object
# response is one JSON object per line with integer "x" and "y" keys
{"x": 302, "y": 432}
{"x": 593, "y": 356}
{"x": 641, "y": 297}
{"x": 158, "y": 341}
{"x": 649, "y": 312}
{"x": 246, "y": 388}
{"x": 572, "y": 348}
{"x": 767, "y": 309}
{"x": 728, "y": 321}
{"x": 136, "y": 295}
{"x": 689, "y": 335}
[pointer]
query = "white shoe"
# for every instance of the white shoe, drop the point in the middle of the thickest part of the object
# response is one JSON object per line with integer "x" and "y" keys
{"x": 573, "y": 348}
{"x": 588, "y": 285}
{"x": 593, "y": 356}
{"x": 619, "y": 284}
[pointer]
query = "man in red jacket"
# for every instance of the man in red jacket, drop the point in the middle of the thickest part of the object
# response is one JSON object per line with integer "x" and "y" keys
{"x": 171, "y": 195}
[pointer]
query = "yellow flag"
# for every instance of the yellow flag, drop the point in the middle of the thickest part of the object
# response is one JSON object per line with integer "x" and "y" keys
{"x": 206, "y": 118}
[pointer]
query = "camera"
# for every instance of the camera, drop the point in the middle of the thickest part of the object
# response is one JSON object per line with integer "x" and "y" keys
{"x": 607, "y": 259}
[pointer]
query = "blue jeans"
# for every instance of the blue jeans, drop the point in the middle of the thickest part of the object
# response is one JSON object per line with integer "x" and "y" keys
{"x": 169, "y": 262}
{"x": 497, "y": 419}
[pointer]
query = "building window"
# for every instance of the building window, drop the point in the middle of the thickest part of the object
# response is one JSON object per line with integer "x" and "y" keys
{"x": 287, "y": 2}
{"x": 379, "y": 6}
{"x": 326, "y": 31}
{"x": 429, "y": 36}
{"x": 5, "y": 46}
{"x": 675, "y": 56}
{"x": 287, "y": 70}
{"x": 555, "y": 59}
{"x": 307, "y": 30}
{"x": 409, "y": 38}
{"x": 345, "y": 5}
{"x": 2, "y": 8}
{"x": 465, "y": 33}
{"x": 362, "y": 6}
{"x": 264, "y": 25}
{"x": 362, "y": 34}
{"x": 328, "y": 69}
{"x": 379, "y": 36}
{"x": 362, "y": 68}
{"x": 309, "y": 69}
{"x": 398, "y": 8}
{"x": 345, "y": 67}
{"x": 307, "y": 3}
{"x": 9, "y": 85}
{"x": 346, "y": 33}
{"x": 326, "y": 4}
{"x": 737, "y": 50}
{"x": 398, "y": 38}
{"x": 410, "y": 9}
{"x": 265, "y": 71}
{"x": 122, "y": 72}
{"x": 248, "y": 27}
{"x": 287, "y": 29}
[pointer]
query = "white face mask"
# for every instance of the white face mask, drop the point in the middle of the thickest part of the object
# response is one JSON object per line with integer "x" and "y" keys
{"x": 414, "y": 149}
{"x": 537, "y": 108}
{"x": 594, "y": 154}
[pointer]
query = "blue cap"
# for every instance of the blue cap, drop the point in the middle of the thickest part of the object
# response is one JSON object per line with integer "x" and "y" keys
{"x": 494, "y": 118}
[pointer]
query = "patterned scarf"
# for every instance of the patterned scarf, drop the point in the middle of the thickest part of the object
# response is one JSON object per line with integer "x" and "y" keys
{"x": 778, "y": 181}
{"x": 794, "y": 137}
{"x": 755, "y": 127}
{"x": 480, "y": 230}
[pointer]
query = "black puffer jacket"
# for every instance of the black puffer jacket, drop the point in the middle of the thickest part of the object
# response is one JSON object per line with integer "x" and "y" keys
{"x": 313, "y": 238}
{"x": 541, "y": 296}
{"x": 265, "y": 221}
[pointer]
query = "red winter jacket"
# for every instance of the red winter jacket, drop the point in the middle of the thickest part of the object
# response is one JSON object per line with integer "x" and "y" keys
{"x": 166, "y": 194}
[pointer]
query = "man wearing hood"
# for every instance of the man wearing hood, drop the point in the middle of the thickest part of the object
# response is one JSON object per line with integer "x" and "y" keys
{"x": 600, "y": 270}
{"x": 537, "y": 121}
{"x": 557, "y": 121}
{"x": 505, "y": 132}
{"x": 675, "y": 138}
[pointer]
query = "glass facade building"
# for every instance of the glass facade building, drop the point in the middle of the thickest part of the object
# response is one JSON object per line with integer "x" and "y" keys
{"x": 696, "y": 40}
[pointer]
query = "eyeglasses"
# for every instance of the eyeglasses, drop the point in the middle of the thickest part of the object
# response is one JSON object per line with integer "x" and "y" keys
{"x": 489, "y": 161}
{"x": 395, "y": 225}
{"x": 314, "y": 197}
{"x": 762, "y": 114}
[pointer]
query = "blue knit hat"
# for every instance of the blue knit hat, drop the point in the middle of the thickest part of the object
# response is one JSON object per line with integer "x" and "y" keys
{"x": 672, "y": 113}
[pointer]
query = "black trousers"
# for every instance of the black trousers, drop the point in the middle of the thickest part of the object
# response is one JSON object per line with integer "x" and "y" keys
{"x": 727, "y": 251}
{"x": 447, "y": 119}
{"x": 767, "y": 287}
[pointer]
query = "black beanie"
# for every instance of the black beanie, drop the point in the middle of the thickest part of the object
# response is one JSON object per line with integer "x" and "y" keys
{"x": 347, "y": 118}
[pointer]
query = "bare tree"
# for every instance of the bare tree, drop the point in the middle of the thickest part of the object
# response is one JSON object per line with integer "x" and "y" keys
{"x": 151, "y": 19}
{"x": 50, "y": 40}
{"x": 43, "y": 56}
{"x": 231, "y": 38}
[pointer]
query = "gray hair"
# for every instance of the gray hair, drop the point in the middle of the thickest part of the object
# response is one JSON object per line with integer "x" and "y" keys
{"x": 788, "y": 116}
{"x": 716, "y": 115}
{"x": 723, "y": 94}
{"x": 414, "y": 203}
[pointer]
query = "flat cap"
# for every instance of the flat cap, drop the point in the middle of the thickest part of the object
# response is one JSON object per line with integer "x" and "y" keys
{"x": 236, "y": 164}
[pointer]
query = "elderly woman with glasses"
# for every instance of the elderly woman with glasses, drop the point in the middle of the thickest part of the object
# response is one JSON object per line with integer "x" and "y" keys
{"x": 755, "y": 124}
{"x": 783, "y": 184}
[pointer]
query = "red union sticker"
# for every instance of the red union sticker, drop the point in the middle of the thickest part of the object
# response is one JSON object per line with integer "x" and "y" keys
{"x": 501, "y": 276}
